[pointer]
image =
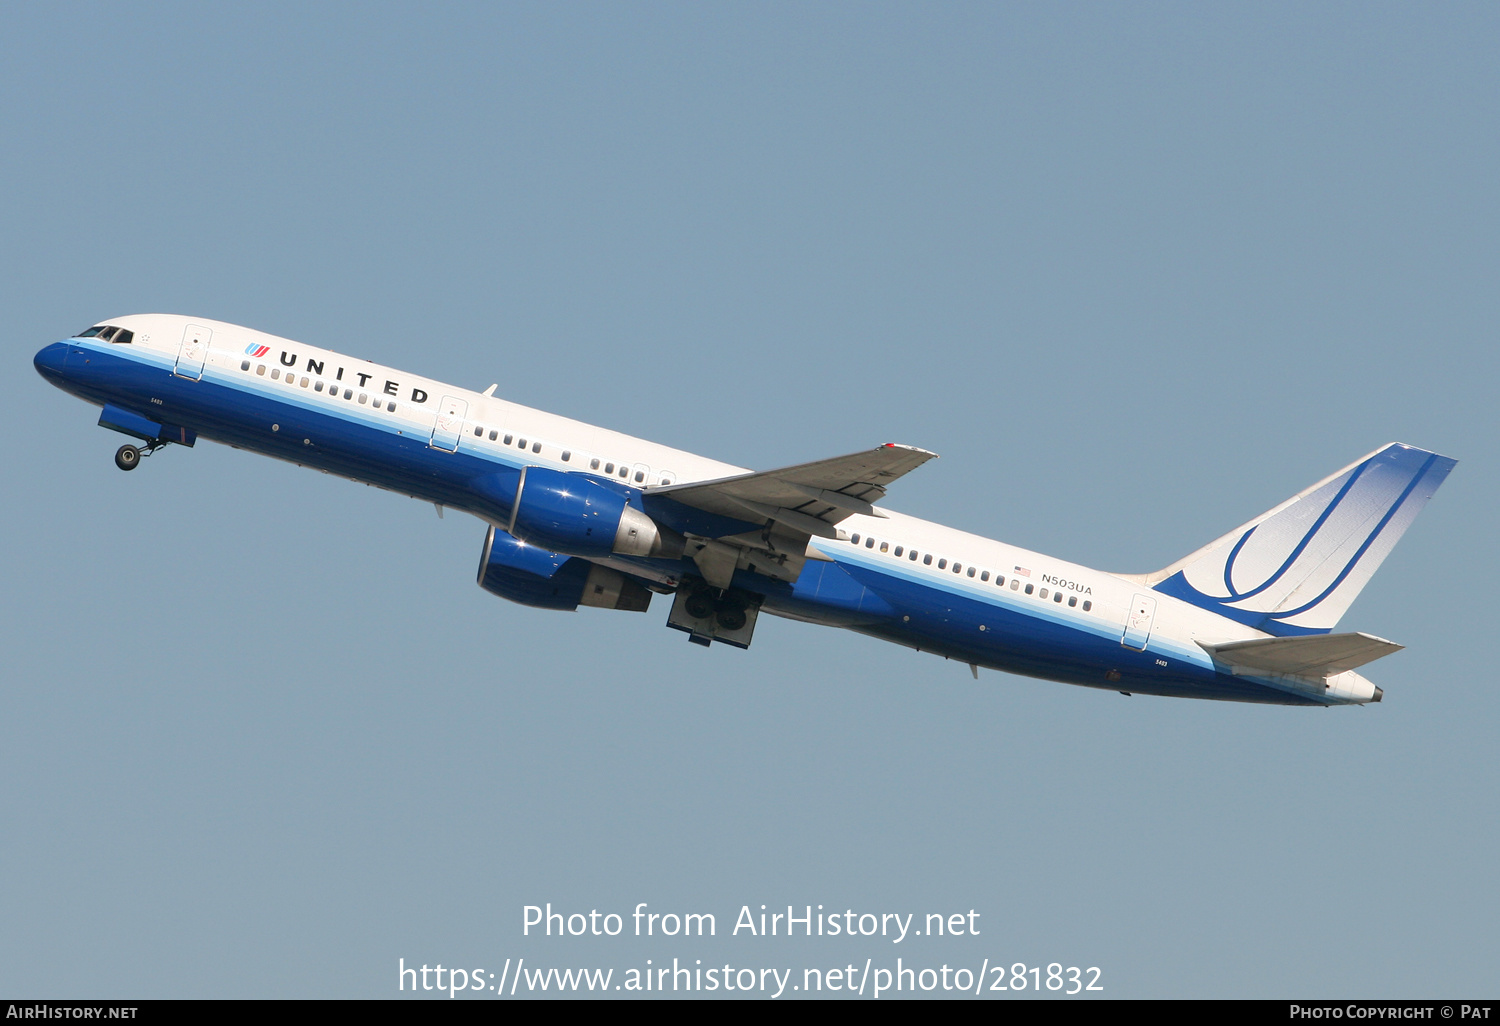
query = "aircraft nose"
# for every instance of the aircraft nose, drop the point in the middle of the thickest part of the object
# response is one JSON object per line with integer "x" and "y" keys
{"x": 50, "y": 360}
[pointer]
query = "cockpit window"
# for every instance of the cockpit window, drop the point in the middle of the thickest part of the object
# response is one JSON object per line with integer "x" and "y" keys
{"x": 109, "y": 333}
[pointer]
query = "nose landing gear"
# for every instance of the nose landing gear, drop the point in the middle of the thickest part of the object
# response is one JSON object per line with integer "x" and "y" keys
{"x": 128, "y": 457}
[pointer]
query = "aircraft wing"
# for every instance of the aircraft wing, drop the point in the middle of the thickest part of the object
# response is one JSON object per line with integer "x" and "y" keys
{"x": 809, "y": 498}
{"x": 794, "y": 504}
{"x": 1310, "y": 655}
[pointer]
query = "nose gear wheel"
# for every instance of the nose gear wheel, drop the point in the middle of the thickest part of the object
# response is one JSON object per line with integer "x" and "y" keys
{"x": 128, "y": 457}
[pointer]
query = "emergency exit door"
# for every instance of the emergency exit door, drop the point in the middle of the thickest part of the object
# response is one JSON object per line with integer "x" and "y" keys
{"x": 194, "y": 350}
{"x": 1138, "y": 623}
{"x": 449, "y": 424}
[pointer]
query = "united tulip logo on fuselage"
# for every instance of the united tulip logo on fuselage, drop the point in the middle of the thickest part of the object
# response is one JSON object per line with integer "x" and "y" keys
{"x": 254, "y": 350}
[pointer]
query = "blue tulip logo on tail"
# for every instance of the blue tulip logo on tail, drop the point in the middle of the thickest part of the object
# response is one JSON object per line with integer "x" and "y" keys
{"x": 1295, "y": 569}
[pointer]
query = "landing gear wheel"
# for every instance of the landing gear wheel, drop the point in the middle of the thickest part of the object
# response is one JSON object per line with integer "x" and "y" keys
{"x": 128, "y": 457}
{"x": 730, "y": 617}
{"x": 700, "y": 605}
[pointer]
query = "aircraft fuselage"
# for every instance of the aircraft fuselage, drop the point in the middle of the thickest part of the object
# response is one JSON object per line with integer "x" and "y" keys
{"x": 890, "y": 576}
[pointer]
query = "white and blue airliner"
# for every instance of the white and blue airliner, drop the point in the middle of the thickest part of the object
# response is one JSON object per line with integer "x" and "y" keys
{"x": 580, "y": 515}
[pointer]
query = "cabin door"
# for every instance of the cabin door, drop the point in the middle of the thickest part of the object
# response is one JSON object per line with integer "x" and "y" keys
{"x": 1138, "y": 623}
{"x": 194, "y": 351}
{"x": 450, "y": 423}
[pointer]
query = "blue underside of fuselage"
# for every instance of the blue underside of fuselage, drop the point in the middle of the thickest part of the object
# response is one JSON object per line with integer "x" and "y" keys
{"x": 861, "y": 597}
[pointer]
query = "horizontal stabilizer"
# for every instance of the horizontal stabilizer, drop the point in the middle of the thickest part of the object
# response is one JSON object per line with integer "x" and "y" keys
{"x": 1312, "y": 655}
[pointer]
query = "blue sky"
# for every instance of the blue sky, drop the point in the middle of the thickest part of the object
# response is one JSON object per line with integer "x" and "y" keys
{"x": 1136, "y": 273}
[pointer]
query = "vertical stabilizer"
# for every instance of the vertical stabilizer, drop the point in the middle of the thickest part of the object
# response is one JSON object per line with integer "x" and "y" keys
{"x": 1296, "y": 568}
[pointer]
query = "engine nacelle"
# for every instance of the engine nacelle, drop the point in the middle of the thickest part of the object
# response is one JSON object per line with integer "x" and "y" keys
{"x": 533, "y": 576}
{"x": 573, "y": 513}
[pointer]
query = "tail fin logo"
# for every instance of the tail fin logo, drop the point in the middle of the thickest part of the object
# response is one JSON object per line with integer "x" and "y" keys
{"x": 1297, "y": 568}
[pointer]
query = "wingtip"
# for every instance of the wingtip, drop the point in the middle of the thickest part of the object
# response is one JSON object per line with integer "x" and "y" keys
{"x": 911, "y": 448}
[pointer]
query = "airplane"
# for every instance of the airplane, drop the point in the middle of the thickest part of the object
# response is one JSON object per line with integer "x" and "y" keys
{"x": 579, "y": 515}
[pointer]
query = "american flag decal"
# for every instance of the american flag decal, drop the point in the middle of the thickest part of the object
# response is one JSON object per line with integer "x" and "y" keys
{"x": 1022, "y": 571}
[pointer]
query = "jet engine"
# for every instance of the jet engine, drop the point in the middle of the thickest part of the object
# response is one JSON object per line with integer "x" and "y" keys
{"x": 573, "y": 513}
{"x": 532, "y": 576}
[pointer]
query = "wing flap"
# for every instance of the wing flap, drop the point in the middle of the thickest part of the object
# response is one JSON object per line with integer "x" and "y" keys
{"x": 1313, "y": 655}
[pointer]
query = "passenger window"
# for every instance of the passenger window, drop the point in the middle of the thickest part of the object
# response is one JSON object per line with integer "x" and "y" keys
{"x": 640, "y": 475}
{"x": 971, "y": 572}
{"x": 244, "y": 365}
{"x": 624, "y": 470}
{"x": 536, "y": 446}
{"x": 1029, "y": 589}
{"x": 666, "y": 479}
{"x": 391, "y": 407}
{"x": 275, "y": 373}
{"x": 912, "y": 555}
{"x": 1087, "y": 605}
{"x": 362, "y": 398}
{"x": 494, "y": 435}
{"x": 609, "y": 468}
{"x": 1072, "y": 601}
{"x": 942, "y": 564}
{"x": 348, "y": 393}
{"x": 478, "y": 431}
{"x": 1043, "y": 593}
{"x": 984, "y": 576}
{"x": 855, "y": 539}
{"x": 869, "y": 543}
{"x": 261, "y": 370}
{"x": 304, "y": 383}
{"x": 508, "y": 438}
{"x": 567, "y": 456}
{"x": 999, "y": 580}
{"x": 593, "y": 464}
{"x": 927, "y": 559}
{"x": 318, "y": 386}
{"x": 520, "y": 443}
{"x": 1057, "y": 596}
{"x": 898, "y": 550}
{"x": 957, "y": 567}
{"x": 1015, "y": 583}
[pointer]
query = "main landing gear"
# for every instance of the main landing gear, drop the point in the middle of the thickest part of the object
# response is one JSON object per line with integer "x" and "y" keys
{"x": 128, "y": 457}
{"x": 726, "y": 612}
{"x": 708, "y": 614}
